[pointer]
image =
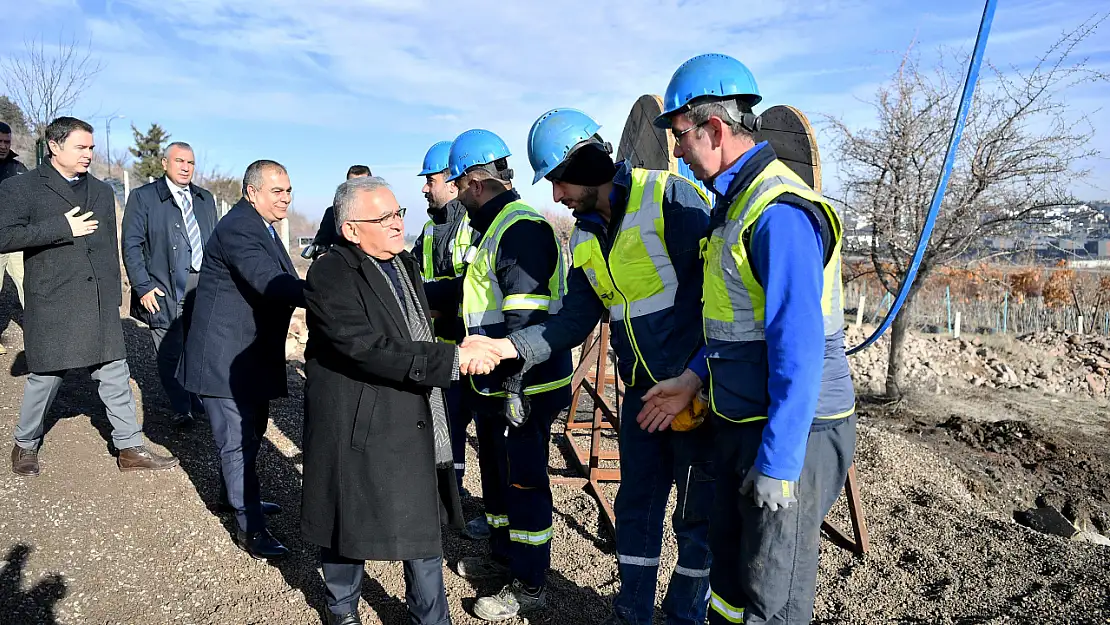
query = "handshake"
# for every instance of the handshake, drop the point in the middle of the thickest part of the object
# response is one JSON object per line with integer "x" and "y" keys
{"x": 479, "y": 355}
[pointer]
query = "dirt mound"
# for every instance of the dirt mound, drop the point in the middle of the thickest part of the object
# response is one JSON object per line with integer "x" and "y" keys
{"x": 1026, "y": 465}
{"x": 1053, "y": 363}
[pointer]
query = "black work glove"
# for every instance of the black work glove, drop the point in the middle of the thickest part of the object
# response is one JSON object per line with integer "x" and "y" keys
{"x": 517, "y": 405}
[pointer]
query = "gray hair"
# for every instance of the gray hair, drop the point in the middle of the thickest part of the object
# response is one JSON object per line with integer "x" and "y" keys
{"x": 176, "y": 144}
{"x": 253, "y": 177}
{"x": 729, "y": 111}
{"x": 344, "y": 202}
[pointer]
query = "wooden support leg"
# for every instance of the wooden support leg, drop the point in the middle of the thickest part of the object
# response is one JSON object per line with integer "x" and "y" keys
{"x": 860, "y": 544}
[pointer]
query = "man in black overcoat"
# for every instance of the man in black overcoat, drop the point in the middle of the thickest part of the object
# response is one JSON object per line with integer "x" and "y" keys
{"x": 64, "y": 221}
{"x": 378, "y": 469}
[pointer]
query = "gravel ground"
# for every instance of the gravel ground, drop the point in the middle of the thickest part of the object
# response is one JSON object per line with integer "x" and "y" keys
{"x": 84, "y": 543}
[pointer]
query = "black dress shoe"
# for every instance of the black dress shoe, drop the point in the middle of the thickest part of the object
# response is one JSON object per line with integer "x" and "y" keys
{"x": 260, "y": 545}
{"x": 350, "y": 618}
{"x": 268, "y": 507}
{"x": 182, "y": 420}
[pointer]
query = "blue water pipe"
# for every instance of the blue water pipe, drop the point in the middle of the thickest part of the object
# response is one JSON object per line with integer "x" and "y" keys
{"x": 942, "y": 183}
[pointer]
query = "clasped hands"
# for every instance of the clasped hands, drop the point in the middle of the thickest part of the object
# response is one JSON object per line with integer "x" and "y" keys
{"x": 479, "y": 355}
{"x": 668, "y": 398}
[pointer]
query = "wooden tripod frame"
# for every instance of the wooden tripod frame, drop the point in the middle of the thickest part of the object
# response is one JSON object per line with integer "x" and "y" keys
{"x": 592, "y": 376}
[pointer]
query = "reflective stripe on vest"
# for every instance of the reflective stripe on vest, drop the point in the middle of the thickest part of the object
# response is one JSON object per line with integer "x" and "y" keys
{"x": 483, "y": 303}
{"x": 463, "y": 237}
{"x": 733, "y": 300}
{"x": 734, "y": 307}
{"x": 638, "y": 278}
{"x": 427, "y": 267}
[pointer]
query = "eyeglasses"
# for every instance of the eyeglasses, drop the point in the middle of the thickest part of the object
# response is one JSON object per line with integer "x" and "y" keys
{"x": 678, "y": 135}
{"x": 384, "y": 219}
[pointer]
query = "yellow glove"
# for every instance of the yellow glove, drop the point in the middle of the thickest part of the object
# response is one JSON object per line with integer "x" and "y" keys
{"x": 693, "y": 415}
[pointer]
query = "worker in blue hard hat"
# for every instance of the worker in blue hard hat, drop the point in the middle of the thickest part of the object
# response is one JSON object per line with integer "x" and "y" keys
{"x": 779, "y": 387}
{"x": 515, "y": 278}
{"x": 440, "y": 252}
{"x": 635, "y": 251}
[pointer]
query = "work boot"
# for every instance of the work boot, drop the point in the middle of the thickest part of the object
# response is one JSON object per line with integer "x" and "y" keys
{"x": 481, "y": 567}
{"x": 25, "y": 462}
{"x": 615, "y": 619}
{"x": 515, "y": 598}
{"x": 140, "y": 458}
{"x": 476, "y": 528}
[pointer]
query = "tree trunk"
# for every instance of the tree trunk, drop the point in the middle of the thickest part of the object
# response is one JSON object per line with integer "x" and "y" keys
{"x": 894, "y": 361}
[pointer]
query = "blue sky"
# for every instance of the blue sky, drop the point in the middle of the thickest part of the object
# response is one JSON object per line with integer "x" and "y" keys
{"x": 320, "y": 85}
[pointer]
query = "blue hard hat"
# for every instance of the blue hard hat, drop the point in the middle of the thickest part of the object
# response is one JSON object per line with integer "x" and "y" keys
{"x": 553, "y": 135}
{"x": 474, "y": 147}
{"x": 717, "y": 75}
{"x": 435, "y": 160}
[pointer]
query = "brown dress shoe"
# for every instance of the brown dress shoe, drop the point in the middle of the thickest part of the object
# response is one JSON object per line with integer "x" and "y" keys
{"x": 25, "y": 461}
{"x": 142, "y": 459}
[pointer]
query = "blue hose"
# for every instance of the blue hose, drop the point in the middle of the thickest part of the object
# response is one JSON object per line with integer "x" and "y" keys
{"x": 942, "y": 184}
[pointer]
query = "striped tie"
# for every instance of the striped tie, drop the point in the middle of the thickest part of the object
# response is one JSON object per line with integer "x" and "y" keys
{"x": 193, "y": 230}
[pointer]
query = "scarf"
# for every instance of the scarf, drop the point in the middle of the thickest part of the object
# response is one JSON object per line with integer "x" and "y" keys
{"x": 421, "y": 330}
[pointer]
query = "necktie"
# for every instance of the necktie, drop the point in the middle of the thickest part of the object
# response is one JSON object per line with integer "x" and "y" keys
{"x": 192, "y": 230}
{"x": 273, "y": 232}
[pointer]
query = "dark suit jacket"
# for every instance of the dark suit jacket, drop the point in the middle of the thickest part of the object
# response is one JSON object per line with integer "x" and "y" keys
{"x": 371, "y": 487}
{"x": 73, "y": 290}
{"x": 247, "y": 291}
{"x": 156, "y": 250}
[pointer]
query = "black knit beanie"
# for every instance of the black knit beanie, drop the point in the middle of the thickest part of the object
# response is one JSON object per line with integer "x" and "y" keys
{"x": 589, "y": 166}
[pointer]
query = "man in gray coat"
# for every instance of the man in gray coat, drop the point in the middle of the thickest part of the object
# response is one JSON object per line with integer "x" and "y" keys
{"x": 53, "y": 215}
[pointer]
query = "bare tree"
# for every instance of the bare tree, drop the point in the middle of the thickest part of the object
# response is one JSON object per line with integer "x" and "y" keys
{"x": 224, "y": 186}
{"x": 1023, "y": 148}
{"x": 46, "y": 82}
{"x": 562, "y": 222}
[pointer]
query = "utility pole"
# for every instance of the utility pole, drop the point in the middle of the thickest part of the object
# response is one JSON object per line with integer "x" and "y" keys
{"x": 108, "y": 141}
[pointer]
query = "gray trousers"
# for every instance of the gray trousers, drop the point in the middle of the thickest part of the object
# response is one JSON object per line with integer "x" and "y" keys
{"x": 425, "y": 593}
{"x": 168, "y": 344}
{"x": 115, "y": 391}
{"x": 765, "y": 563}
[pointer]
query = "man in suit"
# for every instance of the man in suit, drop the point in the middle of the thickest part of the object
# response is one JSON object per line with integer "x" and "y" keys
{"x": 234, "y": 356}
{"x": 53, "y": 215}
{"x": 327, "y": 235}
{"x": 378, "y": 465}
{"x": 165, "y": 226}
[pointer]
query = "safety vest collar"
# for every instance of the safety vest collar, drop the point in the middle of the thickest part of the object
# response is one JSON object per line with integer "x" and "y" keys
{"x": 487, "y": 213}
{"x": 763, "y": 156}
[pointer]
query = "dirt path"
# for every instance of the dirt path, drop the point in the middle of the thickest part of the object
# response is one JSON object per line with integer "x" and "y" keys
{"x": 84, "y": 543}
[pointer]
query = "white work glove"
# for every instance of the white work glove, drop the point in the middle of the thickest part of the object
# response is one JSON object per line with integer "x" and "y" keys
{"x": 769, "y": 492}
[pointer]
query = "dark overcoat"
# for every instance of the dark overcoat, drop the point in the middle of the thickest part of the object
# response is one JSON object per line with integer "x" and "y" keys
{"x": 156, "y": 248}
{"x": 72, "y": 284}
{"x": 371, "y": 486}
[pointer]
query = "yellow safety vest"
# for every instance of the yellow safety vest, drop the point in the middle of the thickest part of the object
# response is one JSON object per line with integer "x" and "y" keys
{"x": 734, "y": 301}
{"x": 638, "y": 278}
{"x": 463, "y": 236}
{"x": 483, "y": 303}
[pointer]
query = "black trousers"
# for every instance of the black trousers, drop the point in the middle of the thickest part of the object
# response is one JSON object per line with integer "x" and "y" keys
{"x": 424, "y": 591}
{"x": 168, "y": 344}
